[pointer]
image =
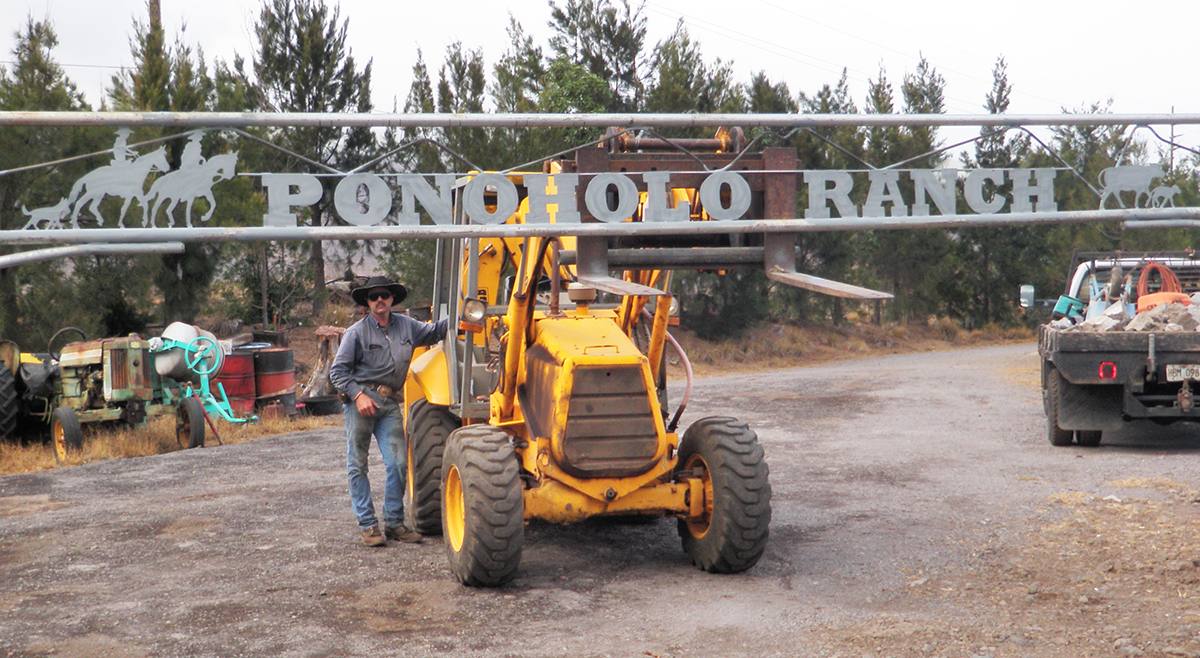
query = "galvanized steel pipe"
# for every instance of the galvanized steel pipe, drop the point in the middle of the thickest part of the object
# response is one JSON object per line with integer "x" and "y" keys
{"x": 595, "y": 120}
{"x": 409, "y": 232}
{"x": 38, "y": 255}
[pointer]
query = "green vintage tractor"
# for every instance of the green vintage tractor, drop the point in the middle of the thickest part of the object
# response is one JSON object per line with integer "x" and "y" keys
{"x": 112, "y": 380}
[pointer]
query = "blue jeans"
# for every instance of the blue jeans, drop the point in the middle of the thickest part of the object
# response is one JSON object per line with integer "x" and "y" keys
{"x": 388, "y": 427}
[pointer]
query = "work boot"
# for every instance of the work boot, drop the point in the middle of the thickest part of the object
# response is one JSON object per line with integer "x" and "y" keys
{"x": 372, "y": 537}
{"x": 402, "y": 534}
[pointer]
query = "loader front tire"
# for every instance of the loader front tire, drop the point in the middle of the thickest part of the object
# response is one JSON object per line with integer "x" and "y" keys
{"x": 482, "y": 506}
{"x": 10, "y": 403}
{"x": 66, "y": 433}
{"x": 731, "y": 533}
{"x": 429, "y": 425}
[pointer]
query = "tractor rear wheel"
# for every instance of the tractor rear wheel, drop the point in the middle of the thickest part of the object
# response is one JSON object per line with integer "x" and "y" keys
{"x": 482, "y": 506}
{"x": 428, "y": 427}
{"x": 731, "y": 534}
{"x": 189, "y": 423}
{"x": 67, "y": 435}
{"x": 10, "y": 403}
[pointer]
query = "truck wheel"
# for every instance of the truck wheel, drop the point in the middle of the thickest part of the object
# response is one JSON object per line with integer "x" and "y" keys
{"x": 10, "y": 404}
{"x": 189, "y": 423}
{"x": 482, "y": 506}
{"x": 731, "y": 534}
{"x": 1057, "y": 436}
{"x": 428, "y": 427}
{"x": 1088, "y": 438}
{"x": 67, "y": 435}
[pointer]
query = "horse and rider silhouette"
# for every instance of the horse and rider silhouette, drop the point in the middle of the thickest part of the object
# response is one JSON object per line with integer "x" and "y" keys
{"x": 190, "y": 183}
{"x": 125, "y": 178}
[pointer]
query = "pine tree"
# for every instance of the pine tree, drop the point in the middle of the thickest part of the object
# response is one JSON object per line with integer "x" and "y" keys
{"x": 169, "y": 80}
{"x": 996, "y": 260}
{"x": 518, "y": 79}
{"x": 303, "y": 64}
{"x": 606, "y": 37}
{"x": 37, "y": 82}
{"x": 461, "y": 89}
{"x": 683, "y": 82}
{"x": 914, "y": 264}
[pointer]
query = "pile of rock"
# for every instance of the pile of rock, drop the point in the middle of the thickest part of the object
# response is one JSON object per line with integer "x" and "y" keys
{"x": 1176, "y": 316}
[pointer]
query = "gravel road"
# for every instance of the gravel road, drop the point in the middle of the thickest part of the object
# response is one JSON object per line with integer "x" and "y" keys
{"x": 918, "y": 509}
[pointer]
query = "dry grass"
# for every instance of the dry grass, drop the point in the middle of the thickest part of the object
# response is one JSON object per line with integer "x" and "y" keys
{"x": 154, "y": 438}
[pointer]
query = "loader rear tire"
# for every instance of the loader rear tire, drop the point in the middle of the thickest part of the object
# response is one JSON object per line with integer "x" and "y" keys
{"x": 10, "y": 403}
{"x": 482, "y": 506}
{"x": 731, "y": 535}
{"x": 429, "y": 425}
{"x": 1053, "y": 393}
{"x": 66, "y": 433}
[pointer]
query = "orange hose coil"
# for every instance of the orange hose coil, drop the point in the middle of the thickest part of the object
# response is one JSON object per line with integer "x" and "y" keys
{"x": 1170, "y": 282}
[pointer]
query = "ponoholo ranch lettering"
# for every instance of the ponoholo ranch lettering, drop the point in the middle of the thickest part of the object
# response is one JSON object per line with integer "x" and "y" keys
{"x": 367, "y": 199}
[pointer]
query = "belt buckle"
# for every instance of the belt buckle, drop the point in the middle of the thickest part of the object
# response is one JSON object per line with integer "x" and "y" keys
{"x": 385, "y": 391}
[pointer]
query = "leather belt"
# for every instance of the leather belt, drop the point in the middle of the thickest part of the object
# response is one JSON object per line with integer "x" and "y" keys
{"x": 384, "y": 390}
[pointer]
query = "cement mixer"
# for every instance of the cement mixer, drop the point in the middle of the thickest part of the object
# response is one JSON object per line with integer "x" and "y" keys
{"x": 183, "y": 347}
{"x": 186, "y": 356}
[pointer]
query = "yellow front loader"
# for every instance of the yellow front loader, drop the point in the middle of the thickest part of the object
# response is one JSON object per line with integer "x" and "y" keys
{"x": 550, "y": 402}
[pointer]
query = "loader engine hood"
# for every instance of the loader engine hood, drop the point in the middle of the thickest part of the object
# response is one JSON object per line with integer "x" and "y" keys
{"x": 588, "y": 389}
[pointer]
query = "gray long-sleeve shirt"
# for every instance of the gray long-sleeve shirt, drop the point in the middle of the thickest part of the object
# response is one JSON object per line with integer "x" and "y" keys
{"x": 370, "y": 354}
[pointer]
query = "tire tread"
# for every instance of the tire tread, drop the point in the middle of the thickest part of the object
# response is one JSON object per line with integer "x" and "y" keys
{"x": 10, "y": 403}
{"x": 494, "y": 507}
{"x": 428, "y": 427}
{"x": 741, "y": 519}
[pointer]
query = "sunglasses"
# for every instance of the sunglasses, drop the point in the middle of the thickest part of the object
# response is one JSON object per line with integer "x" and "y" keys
{"x": 376, "y": 296}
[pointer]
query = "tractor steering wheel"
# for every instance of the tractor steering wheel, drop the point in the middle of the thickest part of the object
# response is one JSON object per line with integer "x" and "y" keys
{"x": 198, "y": 351}
{"x": 58, "y": 334}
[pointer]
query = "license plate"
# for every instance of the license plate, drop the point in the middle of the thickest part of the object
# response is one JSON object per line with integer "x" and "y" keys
{"x": 1178, "y": 372}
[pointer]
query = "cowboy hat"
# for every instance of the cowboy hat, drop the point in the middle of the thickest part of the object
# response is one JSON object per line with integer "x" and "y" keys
{"x": 359, "y": 295}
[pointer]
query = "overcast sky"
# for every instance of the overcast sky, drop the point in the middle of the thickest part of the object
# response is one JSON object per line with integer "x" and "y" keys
{"x": 1060, "y": 54}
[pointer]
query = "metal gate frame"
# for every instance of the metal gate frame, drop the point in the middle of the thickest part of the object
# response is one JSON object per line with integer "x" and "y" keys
{"x": 139, "y": 239}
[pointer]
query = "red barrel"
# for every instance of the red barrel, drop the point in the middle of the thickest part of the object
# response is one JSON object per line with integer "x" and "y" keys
{"x": 237, "y": 378}
{"x": 275, "y": 378}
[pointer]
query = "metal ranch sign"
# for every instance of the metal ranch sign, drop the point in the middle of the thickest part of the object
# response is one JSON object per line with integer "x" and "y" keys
{"x": 725, "y": 195}
{"x": 152, "y": 199}
{"x": 366, "y": 199}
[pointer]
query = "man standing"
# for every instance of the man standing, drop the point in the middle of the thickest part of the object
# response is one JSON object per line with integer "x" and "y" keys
{"x": 369, "y": 369}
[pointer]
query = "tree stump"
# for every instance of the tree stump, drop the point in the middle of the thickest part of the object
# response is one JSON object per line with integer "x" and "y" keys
{"x": 318, "y": 383}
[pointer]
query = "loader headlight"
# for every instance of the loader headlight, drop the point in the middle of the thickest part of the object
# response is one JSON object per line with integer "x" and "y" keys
{"x": 473, "y": 311}
{"x": 470, "y": 318}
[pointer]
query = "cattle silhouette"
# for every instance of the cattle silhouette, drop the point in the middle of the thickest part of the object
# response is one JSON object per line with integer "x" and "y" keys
{"x": 1129, "y": 178}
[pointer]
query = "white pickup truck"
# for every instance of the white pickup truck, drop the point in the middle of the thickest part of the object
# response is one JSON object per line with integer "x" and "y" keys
{"x": 1094, "y": 381}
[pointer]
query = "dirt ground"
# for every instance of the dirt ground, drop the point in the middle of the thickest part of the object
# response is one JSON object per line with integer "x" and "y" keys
{"x": 918, "y": 510}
